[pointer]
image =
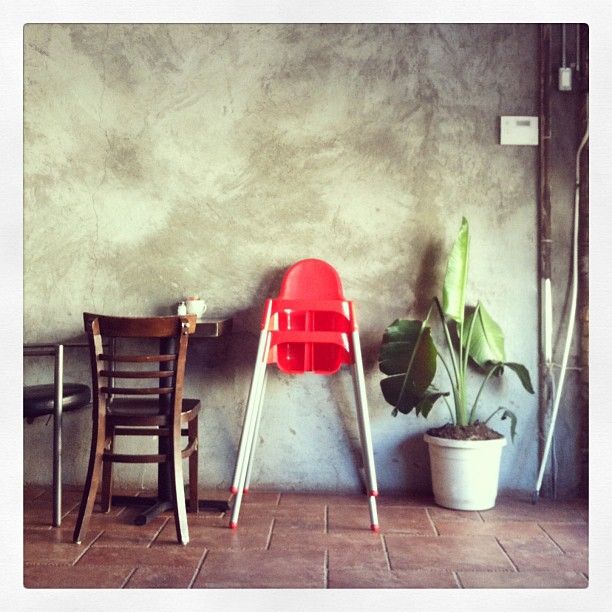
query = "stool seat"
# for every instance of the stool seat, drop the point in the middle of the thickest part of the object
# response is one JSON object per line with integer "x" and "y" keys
{"x": 38, "y": 399}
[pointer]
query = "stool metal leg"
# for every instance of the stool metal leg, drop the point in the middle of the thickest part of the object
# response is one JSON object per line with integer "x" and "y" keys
{"x": 57, "y": 435}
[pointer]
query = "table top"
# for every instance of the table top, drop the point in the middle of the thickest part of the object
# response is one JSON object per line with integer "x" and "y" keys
{"x": 209, "y": 327}
{"x": 213, "y": 327}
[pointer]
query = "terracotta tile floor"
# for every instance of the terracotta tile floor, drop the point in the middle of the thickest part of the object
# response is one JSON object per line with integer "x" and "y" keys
{"x": 313, "y": 541}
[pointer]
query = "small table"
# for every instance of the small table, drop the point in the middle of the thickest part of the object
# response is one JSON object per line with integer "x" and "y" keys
{"x": 206, "y": 329}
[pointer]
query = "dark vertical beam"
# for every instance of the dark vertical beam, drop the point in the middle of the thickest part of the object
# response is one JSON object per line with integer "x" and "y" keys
{"x": 544, "y": 221}
{"x": 583, "y": 253}
{"x": 544, "y": 214}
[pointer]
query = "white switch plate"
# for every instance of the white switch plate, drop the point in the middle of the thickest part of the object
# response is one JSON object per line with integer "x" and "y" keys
{"x": 518, "y": 130}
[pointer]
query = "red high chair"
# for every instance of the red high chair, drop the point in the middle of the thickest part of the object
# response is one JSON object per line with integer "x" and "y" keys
{"x": 309, "y": 327}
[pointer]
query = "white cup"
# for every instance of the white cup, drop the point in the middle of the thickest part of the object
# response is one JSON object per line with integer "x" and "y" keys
{"x": 196, "y": 307}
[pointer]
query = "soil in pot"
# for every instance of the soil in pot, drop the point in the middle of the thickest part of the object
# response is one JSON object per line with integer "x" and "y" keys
{"x": 477, "y": 431}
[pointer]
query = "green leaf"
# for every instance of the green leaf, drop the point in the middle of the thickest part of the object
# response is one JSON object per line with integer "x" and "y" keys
{"x": 455, "y": 280}
{"x": 487, "y": 343}
{"x": 509, "y": 414}
{"x": 523, "y": 375}
{"x": 422, "y": 402}
{"x": 399, "y": 343}
{"x": 427, "y": 401}
{"x": 391, "y": 389}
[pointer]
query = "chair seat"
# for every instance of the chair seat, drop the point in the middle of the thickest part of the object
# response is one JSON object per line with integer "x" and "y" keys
{"x": 38, "y": 399}
{"x": 144, "y": 407}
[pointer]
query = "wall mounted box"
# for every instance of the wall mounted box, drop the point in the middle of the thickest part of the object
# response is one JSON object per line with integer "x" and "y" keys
{"x": 517, "y": 130}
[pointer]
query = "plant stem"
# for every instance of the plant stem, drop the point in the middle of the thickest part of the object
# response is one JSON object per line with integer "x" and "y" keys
{"x": 449, "y": 409}
{"x": 446, "y": 368}
{"x": 482, "y": 386}
{"x": 451, "y": 350}
{"x": 450, "y": 378}
{"x": 493, "y": 414}
{"x": 459, "y": 408}
{"x": 469, "y": 337}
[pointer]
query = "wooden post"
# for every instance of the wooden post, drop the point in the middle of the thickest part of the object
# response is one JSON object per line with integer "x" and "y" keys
{"x": 583, "y": 253}
{"x": 544, "y": 217}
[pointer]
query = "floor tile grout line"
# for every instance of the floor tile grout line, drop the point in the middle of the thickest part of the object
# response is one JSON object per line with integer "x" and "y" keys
{"x": 87, "y": 548}
{"x": 128, "y": 577}
{"x": 516, "y": 569}
{"x": 156, "y": 535}
{"x": 457, "y": 579}
{"x": 551, "y": 538}
{"x": 386, "y": 551}
{"x": 269, "y": 539}
{"x": 433, "y": 524}
{"x": 198, "y": 568}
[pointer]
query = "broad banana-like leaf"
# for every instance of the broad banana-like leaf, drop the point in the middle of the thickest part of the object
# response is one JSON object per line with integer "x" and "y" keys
{"x": 399, "y": 344}
{"x": 404, "y": 390}
{"x": 487, "y": 343}
{"x": 523, "y": 374}
{"x": 409, "y": 400}
{"x": 455, "y": 280}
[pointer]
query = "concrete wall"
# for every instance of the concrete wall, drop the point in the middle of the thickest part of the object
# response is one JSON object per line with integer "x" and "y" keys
{"x": 161, "y": 160}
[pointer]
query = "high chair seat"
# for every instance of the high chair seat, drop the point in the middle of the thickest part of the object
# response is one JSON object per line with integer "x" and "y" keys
{"x": 309, "y": 327}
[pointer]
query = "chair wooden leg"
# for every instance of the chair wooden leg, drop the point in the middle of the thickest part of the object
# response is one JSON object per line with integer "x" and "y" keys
{"x": 177, "y": 485}
{"x": 107, "y": 471}
{"x": 192, "y": 429}
{"x": 94, "y": 472}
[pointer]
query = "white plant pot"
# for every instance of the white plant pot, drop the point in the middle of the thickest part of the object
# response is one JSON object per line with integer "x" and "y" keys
{"x": 465, "y": 473}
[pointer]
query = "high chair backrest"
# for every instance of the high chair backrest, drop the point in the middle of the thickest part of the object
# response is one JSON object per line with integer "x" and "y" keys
{"x": 310, "y": 321}
{"x": 311, "y": 279}
{"x": 165, "y": 380}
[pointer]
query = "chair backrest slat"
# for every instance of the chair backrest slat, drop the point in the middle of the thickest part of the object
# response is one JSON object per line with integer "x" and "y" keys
{"x": 137, "y": 374}
{"x": 137, "y": 390}
{"x": 170, "y": 335}
{"x": 136, "y": 358}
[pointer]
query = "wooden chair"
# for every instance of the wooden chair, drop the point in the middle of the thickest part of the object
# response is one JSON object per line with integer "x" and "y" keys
{"x": 55, "y": 399}
{"x": 123, "y": 409}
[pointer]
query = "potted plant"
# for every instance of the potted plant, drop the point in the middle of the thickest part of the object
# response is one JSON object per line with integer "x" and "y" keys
{"x": 464, "y": 454}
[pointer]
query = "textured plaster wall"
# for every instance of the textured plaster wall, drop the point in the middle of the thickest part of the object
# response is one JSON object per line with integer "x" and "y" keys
{"x": 162, "y": 160}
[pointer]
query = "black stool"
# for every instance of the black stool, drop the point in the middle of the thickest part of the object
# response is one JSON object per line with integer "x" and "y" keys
{"x": 55, "y": 399}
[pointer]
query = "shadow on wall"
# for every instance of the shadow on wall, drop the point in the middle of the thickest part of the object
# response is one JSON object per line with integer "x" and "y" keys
{"x": 413, "y": 456}
{"x": 345, "y": 405}
{"x": 427, "y": 282}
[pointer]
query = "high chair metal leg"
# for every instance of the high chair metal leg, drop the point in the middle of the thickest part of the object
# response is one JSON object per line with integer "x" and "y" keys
{"x": 364, "y": 420}
{"x": 250, "y": 408}
{"x": 367, "y": 482}
{"x": 255, "y": 433}
{"x": 248, "y": 436}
